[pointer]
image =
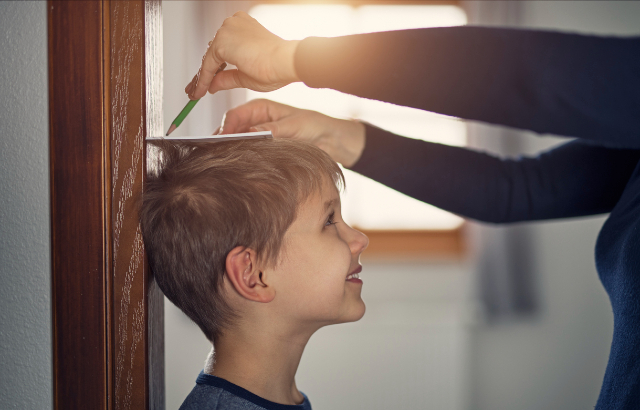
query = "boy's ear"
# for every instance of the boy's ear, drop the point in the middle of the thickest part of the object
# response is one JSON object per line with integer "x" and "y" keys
{"x": 246, "y": 278}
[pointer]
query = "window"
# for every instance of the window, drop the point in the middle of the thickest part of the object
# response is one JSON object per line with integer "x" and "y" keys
{"x": 369, "y": 205}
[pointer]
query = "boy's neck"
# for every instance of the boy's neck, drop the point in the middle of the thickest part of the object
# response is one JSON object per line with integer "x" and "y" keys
{"x": 261, "y": 361}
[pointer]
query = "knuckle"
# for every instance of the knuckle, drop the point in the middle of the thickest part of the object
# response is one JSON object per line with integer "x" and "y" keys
{"x": 236, "y": 78}
{"x": 218, "y": 53}
{"x": 220, "y": 35}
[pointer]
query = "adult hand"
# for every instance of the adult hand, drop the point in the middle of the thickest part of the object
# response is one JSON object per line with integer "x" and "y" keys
{"x": 264, "y": 61}
{"x": 343, "y": 140}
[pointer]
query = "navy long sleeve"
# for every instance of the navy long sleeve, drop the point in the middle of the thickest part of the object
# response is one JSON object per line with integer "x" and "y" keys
{"x": 564, "y": 84}
{"x": 574, "y": 179}
{"x": 579, "y": 86}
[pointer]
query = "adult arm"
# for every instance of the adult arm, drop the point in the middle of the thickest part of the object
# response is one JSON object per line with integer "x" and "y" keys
{"x": 574, "y": 179}
{"x": 565, "y": 84}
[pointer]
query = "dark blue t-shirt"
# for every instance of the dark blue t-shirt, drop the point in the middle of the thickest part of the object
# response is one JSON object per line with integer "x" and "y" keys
{"x": 214, "y": 393}
{"x": 566, "y": 84}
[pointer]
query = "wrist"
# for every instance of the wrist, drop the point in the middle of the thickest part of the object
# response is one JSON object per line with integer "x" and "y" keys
{"x": 286, "y": 55}
{"x": 352, "y": 142}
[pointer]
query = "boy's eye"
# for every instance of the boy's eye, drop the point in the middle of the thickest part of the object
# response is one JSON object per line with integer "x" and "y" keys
{"x": 331, "y": 219}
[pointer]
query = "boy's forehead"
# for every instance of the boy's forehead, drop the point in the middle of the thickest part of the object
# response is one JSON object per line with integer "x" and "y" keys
{"x": 324, "y": 198}
{"x": 318, "y": 204}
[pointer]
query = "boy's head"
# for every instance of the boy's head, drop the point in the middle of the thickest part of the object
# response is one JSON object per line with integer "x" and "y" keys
{"x": 229, "y": 224}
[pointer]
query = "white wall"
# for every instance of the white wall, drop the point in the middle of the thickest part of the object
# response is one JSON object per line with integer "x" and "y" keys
{"x": 25, "y": 313}
{"x": 557, "y": 359}
{"x": 188, "y": 26}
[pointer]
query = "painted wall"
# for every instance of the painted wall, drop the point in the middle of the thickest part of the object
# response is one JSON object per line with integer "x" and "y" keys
{"x": 25, "y": 265}
{"x": 555, "y": 360}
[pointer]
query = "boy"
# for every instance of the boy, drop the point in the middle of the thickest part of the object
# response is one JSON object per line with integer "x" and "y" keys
{"x": 247, "y": 239}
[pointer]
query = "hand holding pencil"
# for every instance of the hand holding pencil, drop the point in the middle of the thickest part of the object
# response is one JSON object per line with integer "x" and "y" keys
{"x": 264, "y": 61}
{"x": 187, "y": 108}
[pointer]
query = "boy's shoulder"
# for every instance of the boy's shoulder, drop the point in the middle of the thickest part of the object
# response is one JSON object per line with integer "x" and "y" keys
{"x": 211, "y": 392}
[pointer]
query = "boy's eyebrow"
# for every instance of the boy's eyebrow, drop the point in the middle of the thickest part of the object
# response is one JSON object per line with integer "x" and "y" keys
{"x": 328, "y": 205}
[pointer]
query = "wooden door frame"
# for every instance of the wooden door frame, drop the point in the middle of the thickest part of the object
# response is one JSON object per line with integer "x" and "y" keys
{"x": 105, "y": 90}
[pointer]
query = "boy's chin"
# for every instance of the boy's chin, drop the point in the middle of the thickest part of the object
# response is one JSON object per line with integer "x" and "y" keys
{"x": 361, "y": 313}
{"x": 355, "y": 314}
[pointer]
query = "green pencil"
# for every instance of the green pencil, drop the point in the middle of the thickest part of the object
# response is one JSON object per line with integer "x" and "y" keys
{"x": 187, "y": 108}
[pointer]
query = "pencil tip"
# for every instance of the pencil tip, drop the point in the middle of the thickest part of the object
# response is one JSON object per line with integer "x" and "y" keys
{"x": 171, "y": 129}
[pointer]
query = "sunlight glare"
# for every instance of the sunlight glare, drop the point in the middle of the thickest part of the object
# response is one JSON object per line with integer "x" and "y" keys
{"x": 366, "y": 203}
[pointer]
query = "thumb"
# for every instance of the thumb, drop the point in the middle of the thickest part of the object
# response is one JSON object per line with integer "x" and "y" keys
{"x": 225, "y": 80}
{"x": 287, "y": 127}
{"x": 269, "y": 126}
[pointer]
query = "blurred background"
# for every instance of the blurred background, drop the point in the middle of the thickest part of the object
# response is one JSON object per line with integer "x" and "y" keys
{"x": 472, "y": 317}
{"x": 460, "y": 316}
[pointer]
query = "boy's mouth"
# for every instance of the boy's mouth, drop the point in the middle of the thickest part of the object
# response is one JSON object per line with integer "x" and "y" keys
{"x": 355, "y": 275}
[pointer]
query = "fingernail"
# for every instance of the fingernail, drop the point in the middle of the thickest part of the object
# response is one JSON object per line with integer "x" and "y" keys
{"x": 257, "y": 129}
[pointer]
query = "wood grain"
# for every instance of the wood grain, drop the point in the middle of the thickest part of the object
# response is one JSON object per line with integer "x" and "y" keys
{"x": 127, "y": 125}
{"x": 77, "y": 205}
{"x": 108, "y": 350}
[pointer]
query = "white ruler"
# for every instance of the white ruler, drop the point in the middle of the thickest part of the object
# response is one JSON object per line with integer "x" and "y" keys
{"x": 215, "y": 138}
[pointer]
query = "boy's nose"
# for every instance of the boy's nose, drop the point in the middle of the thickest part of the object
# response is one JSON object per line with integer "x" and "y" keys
{"x": 358, "y": 241}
